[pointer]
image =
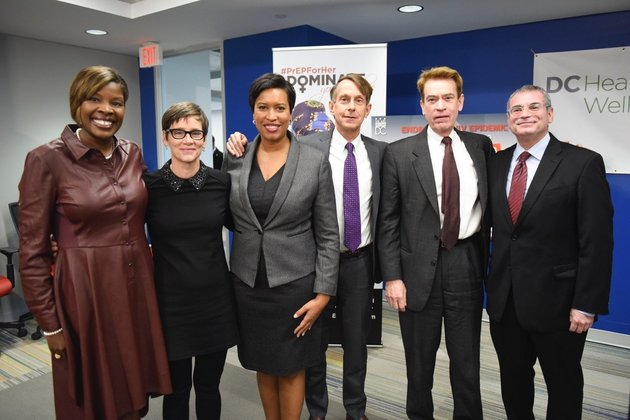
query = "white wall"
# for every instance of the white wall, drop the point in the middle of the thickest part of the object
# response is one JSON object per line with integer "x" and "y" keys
{"x": 35, "y": 77}
{"x": 186, "y": 77}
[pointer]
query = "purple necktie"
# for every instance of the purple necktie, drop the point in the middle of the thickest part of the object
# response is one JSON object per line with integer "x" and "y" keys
{"x": 517, "y": 187}
{"x": 351, "y": 211}
{"x": 450, "y": 196}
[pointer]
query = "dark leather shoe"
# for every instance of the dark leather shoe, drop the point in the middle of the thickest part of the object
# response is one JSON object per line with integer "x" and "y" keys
{"x": 316, "y": 418}
{"x": 362, "y": 417}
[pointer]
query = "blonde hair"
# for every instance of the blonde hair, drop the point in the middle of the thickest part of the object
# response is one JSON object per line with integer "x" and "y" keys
{"x": 442, "y": 72}
{"x": 362, "y": 84}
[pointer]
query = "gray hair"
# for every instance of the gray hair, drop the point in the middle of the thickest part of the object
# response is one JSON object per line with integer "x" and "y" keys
{"x": 530, "y": 88}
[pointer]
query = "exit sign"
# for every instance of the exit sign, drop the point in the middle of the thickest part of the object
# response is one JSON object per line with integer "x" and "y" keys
{"x": 150, "y": 55}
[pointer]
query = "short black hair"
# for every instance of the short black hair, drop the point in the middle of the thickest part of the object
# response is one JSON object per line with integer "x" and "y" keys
{"x": 271, "y": 81}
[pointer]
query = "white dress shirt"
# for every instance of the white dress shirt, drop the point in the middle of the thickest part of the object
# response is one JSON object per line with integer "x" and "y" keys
{"x": 337, "y": 158}
{"x": 469, "y": 204}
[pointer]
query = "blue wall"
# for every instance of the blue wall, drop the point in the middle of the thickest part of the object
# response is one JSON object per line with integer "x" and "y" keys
{"x": 147, "y": 114}
{"x": 493, "y": 62}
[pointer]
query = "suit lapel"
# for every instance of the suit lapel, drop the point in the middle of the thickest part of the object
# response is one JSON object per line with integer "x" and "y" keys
{"x": 320, "y": 141}
{"x": 373, "y": 156}
{"x": 243, "y": 182}
{"x": 550, "y": 160}
{"x": 424, "y": 169}
{"x": 326, "y": 139}
{"x": 503, "y": 161}
{"x": 287, "y": 179}
{"x": 479, "y": 160}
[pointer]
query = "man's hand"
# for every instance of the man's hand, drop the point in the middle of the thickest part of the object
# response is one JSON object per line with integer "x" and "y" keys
{"x": 236, "y": 144}
{"x": 396, "y": 294}
{"x": 580, "y": 322}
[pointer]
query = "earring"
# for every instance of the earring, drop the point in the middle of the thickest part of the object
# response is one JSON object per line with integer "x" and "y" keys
{"x": 254, "y": 122}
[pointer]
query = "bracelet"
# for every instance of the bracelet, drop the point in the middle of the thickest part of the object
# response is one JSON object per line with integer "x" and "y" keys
{"x": 46, "y": 333}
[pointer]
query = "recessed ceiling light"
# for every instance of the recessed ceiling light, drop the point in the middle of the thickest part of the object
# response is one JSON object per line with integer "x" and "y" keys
{"x": 410, "y": 8}
{"x": 97, "y": 32}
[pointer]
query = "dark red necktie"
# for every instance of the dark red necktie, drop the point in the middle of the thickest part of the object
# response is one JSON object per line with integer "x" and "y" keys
{"x": 450, "y": 196}
{"x": 517, "y": 187}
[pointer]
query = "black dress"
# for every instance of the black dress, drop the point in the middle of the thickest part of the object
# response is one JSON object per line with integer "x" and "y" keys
{"x": 196, "y": 300}
{"x": 265, "y": 314}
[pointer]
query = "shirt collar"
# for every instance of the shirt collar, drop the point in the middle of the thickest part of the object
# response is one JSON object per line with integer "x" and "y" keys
{"x": 339, "y": 142}
{"x": 537, "y": 150}
{"x": 435, "y": 138}
{"x": 175, "y": 182}
{"x": 72, "y": 142}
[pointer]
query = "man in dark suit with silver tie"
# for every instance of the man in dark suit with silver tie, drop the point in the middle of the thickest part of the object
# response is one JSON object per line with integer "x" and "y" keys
{"x": 355, "y": 161}
{"x": 432, "y": 239}
{"x": 551, "y": 258}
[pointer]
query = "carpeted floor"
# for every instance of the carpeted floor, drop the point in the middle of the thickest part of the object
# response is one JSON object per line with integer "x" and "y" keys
{"x": 26, "y": 391}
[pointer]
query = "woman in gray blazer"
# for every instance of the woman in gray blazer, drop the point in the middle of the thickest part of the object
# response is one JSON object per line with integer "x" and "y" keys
{"x": 285, "y": 252}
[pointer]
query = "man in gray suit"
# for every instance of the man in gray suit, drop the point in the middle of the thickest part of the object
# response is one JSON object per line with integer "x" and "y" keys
{"x": 349, "y": 105}
{"x": 432, "y": 241}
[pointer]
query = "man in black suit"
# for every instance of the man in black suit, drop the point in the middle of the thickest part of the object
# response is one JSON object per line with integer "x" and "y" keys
{"x": 350, "y": 106}
{"x": 551, "y": 258}
{"x": 432, "y": 241}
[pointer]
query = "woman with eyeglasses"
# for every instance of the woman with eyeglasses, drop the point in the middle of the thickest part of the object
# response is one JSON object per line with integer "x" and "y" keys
{"x": 187, "y": 209}
{"x": 285, "y": 253}
{"x": 99, "y": 312}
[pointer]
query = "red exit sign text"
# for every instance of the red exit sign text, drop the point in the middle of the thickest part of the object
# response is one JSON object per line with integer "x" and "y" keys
{"x": 150, "y": 55}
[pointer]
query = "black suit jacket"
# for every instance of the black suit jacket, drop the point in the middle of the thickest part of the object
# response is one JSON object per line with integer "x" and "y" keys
{"x": 409, "y": 225}
{"x": 558, "y": 255}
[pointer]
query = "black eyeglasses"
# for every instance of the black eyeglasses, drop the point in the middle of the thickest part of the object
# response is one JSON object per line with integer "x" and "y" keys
{"x": 179, "y": 134}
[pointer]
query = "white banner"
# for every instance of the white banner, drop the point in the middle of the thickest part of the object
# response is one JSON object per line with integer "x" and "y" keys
{"x": 590, "y": 94}
{"x": 314, "y": 70}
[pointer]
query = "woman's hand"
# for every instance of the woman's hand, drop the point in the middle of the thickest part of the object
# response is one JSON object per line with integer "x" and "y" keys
{"x": 54, "y": 246}
{"x": 57, "y": 345}
{"x": 236, "y": 144}
{"x": 311, "y": 311}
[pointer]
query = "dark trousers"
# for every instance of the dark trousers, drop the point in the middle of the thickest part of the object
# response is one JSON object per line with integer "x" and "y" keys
{"x": 559, "y": 354}
{"x": 206, "y": 378}
{"x": 353, "y": 300}
{"x": 456, "y": 297}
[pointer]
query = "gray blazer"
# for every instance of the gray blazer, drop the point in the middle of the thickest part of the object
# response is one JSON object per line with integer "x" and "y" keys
{"x": 409, "y": 226}
{"x": 300, "y": 235}
{"x": 375, "y": 149}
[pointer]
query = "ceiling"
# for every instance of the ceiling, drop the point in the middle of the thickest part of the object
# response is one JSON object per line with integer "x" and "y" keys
{"x": 206, "y": 23}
